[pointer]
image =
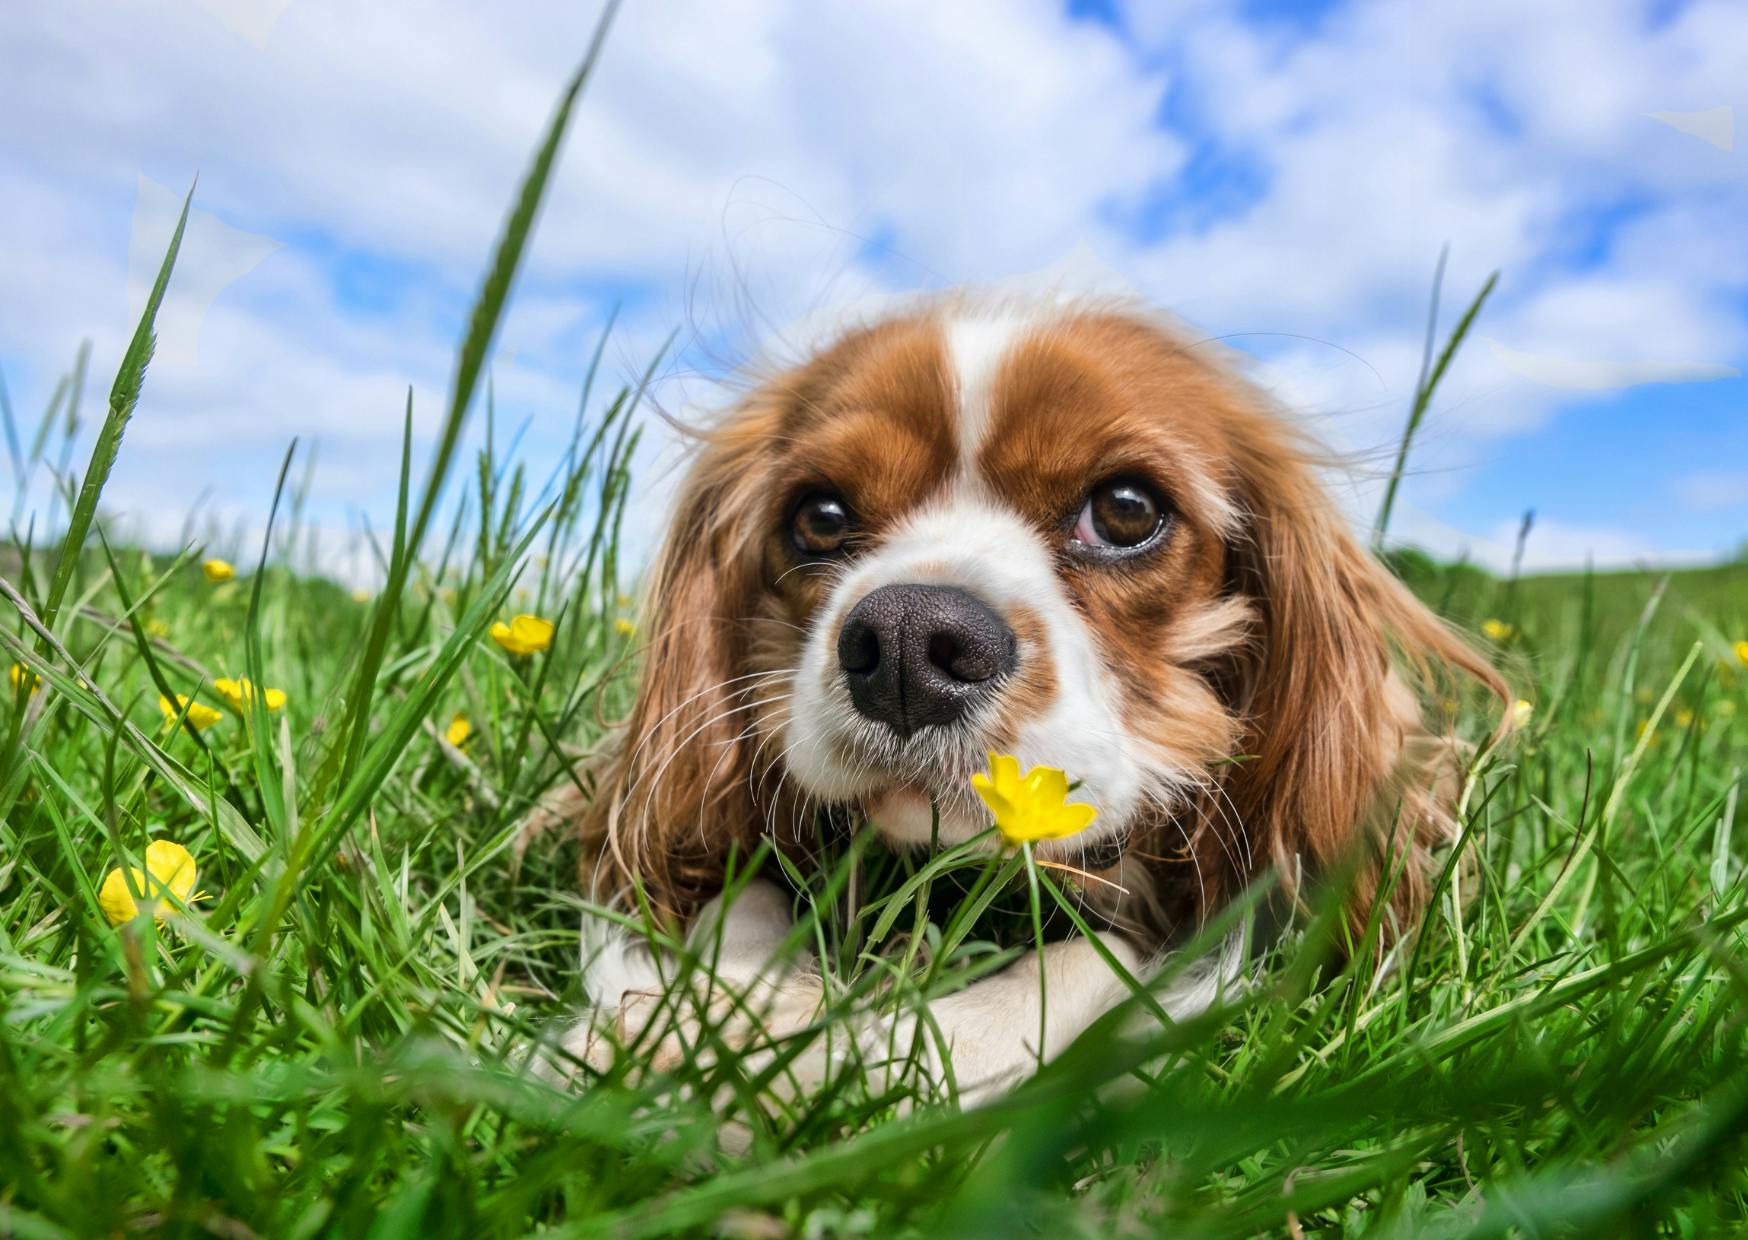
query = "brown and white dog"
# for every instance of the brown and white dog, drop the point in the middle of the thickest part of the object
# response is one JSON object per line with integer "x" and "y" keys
{"x": 1066, "y": 531}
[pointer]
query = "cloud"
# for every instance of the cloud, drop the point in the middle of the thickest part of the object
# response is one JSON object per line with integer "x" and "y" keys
{"x": 1378, "y": 133}
{"x": 1596, "y": 376}
{"x": 732, "y": 167}
{"x": 1720, "y": 490}
{"x": 1714, "y": 125}
{"x": 1553, "y": 545}
{"x": 252, "y": 19}
{"x": 752, "y": 171}
{"x": 214, "y": 256}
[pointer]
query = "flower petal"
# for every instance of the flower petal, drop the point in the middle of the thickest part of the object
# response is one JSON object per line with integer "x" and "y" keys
{"x": 172, "y": 866}
{"x": 114, "y": 898}
{"x": 1004, "y": 770}
{"x": 1000, "y": 806}
{"x": 1072, "y": 820}
{"x": 1048, "y": 784}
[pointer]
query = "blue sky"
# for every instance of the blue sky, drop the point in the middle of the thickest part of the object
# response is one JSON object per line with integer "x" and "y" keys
{"x": 1280, "y": 174}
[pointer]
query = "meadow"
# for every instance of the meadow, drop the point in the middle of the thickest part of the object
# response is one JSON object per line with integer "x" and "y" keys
{"x": 330, "y": 1032}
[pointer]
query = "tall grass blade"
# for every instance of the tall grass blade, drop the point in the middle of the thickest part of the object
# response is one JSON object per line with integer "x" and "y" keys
{"x": 1423, "y": 392}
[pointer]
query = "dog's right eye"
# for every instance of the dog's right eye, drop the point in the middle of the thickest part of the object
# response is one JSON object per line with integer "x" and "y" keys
{"x": 820, "y": 525}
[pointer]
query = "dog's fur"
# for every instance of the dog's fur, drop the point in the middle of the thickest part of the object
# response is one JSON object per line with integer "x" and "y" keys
{"x": 1247, "y": 693}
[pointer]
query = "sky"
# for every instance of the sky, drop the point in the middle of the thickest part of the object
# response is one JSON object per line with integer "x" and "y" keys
{"x": 1281, "y": 175}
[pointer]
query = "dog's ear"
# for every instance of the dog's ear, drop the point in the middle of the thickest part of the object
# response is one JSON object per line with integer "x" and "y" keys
{"x": 1341, "y": 772}
{"x": 671, "y": 799}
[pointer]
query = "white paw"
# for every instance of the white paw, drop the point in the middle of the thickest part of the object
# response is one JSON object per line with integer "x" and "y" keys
{"x": 691, "y": 1025}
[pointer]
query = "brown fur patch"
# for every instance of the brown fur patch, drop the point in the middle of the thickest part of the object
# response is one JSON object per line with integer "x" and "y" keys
{"x": 1032, "y": 690}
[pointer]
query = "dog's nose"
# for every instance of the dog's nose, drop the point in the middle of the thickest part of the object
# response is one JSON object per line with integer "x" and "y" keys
{"x": 916, "y": 656}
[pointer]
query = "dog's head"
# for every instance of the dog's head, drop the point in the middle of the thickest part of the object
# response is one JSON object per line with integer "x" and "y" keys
{"x": 1069, "y": 535}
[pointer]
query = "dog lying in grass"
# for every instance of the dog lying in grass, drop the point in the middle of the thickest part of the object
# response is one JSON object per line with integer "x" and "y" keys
{"x": 1067, "y": 534}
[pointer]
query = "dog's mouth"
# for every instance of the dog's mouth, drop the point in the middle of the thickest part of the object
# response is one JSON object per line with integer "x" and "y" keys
{"x": 910, "y": 817}
{"x": 917, "y": 793}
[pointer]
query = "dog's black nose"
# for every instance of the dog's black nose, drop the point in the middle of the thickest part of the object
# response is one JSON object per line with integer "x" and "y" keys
{"x": 916, "y": 656}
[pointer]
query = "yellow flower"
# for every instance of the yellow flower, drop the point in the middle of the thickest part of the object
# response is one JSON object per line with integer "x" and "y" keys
{"x": 157, "y": 627}
{"x": 217, "y": 570}
{"x": 239, "y": 692}
{"x": 17, "y": 675}
{"x": 169, "y": 871}
{"x": 1030, "y": 806}
{"x": 1521, "y": 713}
{"x": 200, "y": 717}
{"x": 361, "y": 596}
{"x": 1741, "y": 649}
{"x": 1496, "y": 630}
{"x": 624, "y": 627}
{"x": 523, "y": 635}
{"x": 1683, "y": 717}
{"x": 459, "y": 730}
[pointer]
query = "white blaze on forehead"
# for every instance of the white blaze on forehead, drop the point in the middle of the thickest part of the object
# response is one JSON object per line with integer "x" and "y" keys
{"x": 977, "y": 344}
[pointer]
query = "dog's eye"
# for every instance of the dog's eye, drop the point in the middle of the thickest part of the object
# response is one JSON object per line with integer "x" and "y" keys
{"x": 820, "y": 525}
{"x": 1120, "y": 513}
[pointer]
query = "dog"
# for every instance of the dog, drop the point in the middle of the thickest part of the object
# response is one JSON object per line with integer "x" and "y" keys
{"x": 1068, "y": 531}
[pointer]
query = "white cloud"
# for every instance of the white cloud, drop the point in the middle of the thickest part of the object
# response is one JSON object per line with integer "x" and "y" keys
{"x": 252, "y": 19}
{"x": 1553, "y": 545}
{"x": 216, "y": 255}
{"x": 1594, "y": 375}
{"x": 731, "y": 166}
{"x": 1513, "y": 132}
{"x": 1717, "y": 490}
{"x": 1714, "y": 125}
{"x": 739, "y": 168}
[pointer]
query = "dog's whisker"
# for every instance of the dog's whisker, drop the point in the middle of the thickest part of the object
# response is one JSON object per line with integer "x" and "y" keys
{"x": 654, "y": 729}
{"x": 680, "y": 748}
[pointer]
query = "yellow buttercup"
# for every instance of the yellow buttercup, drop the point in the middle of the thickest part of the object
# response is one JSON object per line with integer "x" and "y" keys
{"x": 1032, "y": 806}
{"x": 524, "y": 634}
{"x": 200, "y": 716}
{"x": 240, "y": 692}
{"x": 170, "y": 871}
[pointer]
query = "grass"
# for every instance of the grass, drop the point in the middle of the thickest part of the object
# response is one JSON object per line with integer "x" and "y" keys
{"x": 333, "y": 1039}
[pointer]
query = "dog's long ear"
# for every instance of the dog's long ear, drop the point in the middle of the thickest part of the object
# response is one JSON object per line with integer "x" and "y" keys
{"x": 1341, "y": 770}
{"x": 671, "y": 797}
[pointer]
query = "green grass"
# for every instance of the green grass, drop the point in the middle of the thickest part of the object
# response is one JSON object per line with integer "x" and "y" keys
{"x": 332, "y": 1040}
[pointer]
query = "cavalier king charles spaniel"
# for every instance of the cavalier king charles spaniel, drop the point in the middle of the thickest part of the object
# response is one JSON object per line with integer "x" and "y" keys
{"x": 1067, "y": 531}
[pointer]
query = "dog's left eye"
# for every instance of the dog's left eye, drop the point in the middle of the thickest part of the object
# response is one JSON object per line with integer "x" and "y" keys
{"x": 820, "y": 525}
{"x": 1120, "y": 514}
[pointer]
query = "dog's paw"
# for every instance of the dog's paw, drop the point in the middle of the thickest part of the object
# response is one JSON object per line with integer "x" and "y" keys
{"x": 693, "y": 1027}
